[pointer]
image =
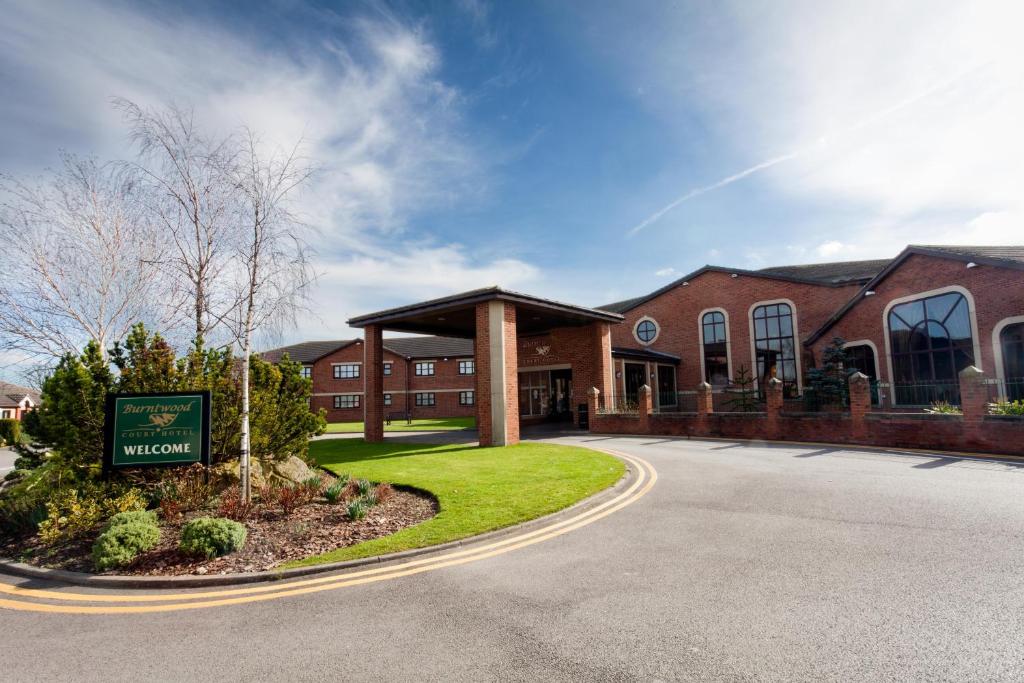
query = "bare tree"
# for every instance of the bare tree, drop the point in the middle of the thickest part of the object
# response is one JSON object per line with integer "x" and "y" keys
{"x": 77, "y": 259}
{"x": 193, "y": 194}
{"x": 274, "y": 271}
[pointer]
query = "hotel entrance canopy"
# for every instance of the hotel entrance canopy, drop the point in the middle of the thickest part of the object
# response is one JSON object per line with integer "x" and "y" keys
{"x": 494, "y": 318}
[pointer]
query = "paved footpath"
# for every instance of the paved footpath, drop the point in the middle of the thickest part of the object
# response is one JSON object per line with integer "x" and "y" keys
{"x": 743, "y": 562}
{"x": 7, "y": 458}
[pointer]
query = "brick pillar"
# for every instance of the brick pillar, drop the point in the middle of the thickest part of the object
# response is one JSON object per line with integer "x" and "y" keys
{"x": 646, "y": 402}
{"x": 497, "y": 374}
{"x": 593, "y": 401}
{"x": 973, "y": 397}
{"x": 773, "y": 406}
{"x": 705, "y": 407}
{"x": 373, "y": 388}
{"x": 860, "y": 404}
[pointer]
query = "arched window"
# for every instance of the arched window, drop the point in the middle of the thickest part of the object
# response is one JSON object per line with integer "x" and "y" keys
{"x": 1011, "y": 339}
{"x": 931, "y": 342}
{"x": 716, "y": 352}
{"x": 774, "y": 346}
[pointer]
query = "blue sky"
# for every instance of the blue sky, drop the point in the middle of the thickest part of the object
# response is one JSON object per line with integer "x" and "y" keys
{"x": 585, "y": 151}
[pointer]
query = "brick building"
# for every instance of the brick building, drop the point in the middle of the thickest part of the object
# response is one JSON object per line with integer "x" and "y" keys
{"x": 16, "y": 400}
{"x": 910, "y": 324}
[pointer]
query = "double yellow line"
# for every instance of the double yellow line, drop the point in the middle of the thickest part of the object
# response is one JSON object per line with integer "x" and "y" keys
{"x": 170, "y": 602}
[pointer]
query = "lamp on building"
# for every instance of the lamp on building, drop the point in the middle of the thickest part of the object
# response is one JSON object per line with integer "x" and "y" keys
{"x": 870, "y": 292}
{"x": 734, "y": 275}
{"x": 972, "y": 264}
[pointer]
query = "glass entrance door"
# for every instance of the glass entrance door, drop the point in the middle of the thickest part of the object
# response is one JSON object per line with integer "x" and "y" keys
{"x": 635, "y": 378}
{"x": 561, "y": 394}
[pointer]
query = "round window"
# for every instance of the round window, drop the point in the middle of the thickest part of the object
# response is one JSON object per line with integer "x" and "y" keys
{"x": 646, "y": 331}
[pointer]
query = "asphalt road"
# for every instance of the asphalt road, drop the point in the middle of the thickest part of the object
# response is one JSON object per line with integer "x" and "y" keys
{"x": 742, "y": 563}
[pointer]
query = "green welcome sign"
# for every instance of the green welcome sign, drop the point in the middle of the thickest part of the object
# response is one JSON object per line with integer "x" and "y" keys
{"x": 147, "y": 430}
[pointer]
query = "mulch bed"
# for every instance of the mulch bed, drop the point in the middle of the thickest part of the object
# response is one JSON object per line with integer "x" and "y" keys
{"x": 273, "y": 539}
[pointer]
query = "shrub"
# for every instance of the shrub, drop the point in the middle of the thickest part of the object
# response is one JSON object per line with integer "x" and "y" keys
{"x": 943, "y": 408}
{"x": 132, "y": 517}
{"x": 313, "y": 486}
{"x": 383, "y": 492}
{"x": 357, "y": 509}
{"x": 233, "y": 507}
{"x": 132, "y": 500}
{"x": 335, "y": 492}
{"x": 10, "y": 431}
{"x": 16, "y": 475}
{"x": 363, "y": 486}
{"x": 69, "y": 516}
{"x": 122, "y": 543}
{"x": 370, "y": 499}
{"x": 21, "y": 516}
{"x": 1002, "y": 408}
{"x": 269, "y": 494}
{"x": 187, "y": 488}
{"x": 209, "y": 537}
{"x": 291, "y": 497}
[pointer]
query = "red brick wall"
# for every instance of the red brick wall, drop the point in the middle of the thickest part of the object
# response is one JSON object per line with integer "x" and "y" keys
{"x": 677, "y": 312}
{"x": 445, "y": 383}
{"x": 998, "y": 293}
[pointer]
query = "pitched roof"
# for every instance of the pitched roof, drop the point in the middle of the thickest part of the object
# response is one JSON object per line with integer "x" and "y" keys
{"x": 428, "y": 347}
{"x": 408, "y": 347}
{"x": 842, "y": 272}
{"x": 837, "y": 274}
{"x": 1002, "y": 257}
{"x": 11, "y": 395}
{"x": 306, "y": 352}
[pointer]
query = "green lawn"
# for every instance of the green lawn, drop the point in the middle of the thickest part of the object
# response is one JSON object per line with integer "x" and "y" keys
{"x": 479, "y": 489}
{"x": 425, "y": 425}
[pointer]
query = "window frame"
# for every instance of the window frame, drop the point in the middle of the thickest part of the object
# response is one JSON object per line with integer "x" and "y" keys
{"x": 355, "y": 400}
{"x": 387, "y": 399}
{"x": 998, "y": 350}
{"x": 417, "y": 364}
{"x": 728, "y": 343}
{"x": 467, "y": 362}
{"x": 887, "y": 336}
{"x": 467, "y": 398}
{"x": 336, "y": 370}
{"x": 387, "y": 368}
{"x": 636, "y": 330}
{"x": 421, "y": 401}
{"x": 307, "y": 372}
{"x": 797, "y": 347}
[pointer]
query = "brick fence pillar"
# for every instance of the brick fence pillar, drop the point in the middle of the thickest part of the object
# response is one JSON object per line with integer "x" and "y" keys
{"x": 860, "y": 404}
{"x": 973, "y": 398}
{"x": 705, "y": 406}
{"x": 373, "y": 390}
{"x": 497, "y": 374}
{"x": 773, "y": 406}
{"x": 646, "y": 408}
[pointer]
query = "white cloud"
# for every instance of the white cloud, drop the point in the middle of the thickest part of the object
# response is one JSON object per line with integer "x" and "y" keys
{"x": 830, "y": 248}
{"x": 666, "y": 272}
{"x": 383, "y": 128}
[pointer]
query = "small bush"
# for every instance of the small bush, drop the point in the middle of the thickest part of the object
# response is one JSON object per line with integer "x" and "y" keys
{"x": 383, "y": 492}
{"x": 187, "y": 488}
{"x": 313, "y": 486}
{"x": 21, "y": 516}
{"x": 233, "y": 507}
{"x": 69, "y": 516}
{"x": 370, "y": 499}
{"x": 16, "y": 475}
{"x": 998, "y": 408}
{"x": 291, "y": 497}
{"x": 209, "y": 537}
{"x": 131, "y": 500}
{"x": 335, "y": 492}
{"x": 122, "y": 543}
{"x": 357, "y": 509}
{"x": 943, "y": 408}
{"x": 363, "y": 486}
{"x": 10, "y": 431}
{"x": 132, "y": 517}
{"x": 269, "y": 494}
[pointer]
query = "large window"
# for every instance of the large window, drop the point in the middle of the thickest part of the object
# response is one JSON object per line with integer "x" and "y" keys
{"x": 466, "y": 398}
{"x": 346, "y": 371}
{"x": 424, "y": 369}
{"x": 775, "y": 347}
{"x": 1012, "y": 341}
{"x": 534, "y": 393}
{"x": 716, "y": 351}
{"x": 467, "y": 367}
{"x": 931, "y": 342}
{"x": 426, "y": 399}
{"x": 346, "y": 401}
{"x": 307, "y": 371}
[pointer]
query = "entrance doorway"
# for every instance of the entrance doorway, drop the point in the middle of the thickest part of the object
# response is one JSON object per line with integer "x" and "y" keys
{"x": 636, "y": 377}
{"x": 561, "y": 395}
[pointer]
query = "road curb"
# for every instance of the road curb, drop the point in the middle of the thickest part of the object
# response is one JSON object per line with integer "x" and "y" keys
{"x": 28, "y": 571}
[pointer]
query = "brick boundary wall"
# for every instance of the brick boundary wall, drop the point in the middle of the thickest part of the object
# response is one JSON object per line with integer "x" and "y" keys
{"x": 974, "y": 431}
